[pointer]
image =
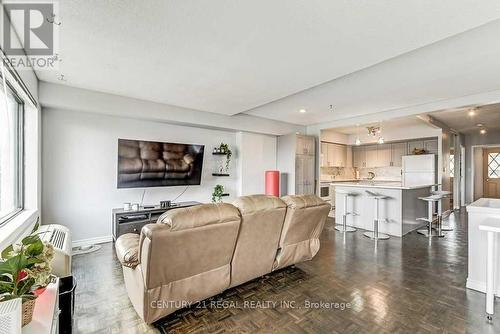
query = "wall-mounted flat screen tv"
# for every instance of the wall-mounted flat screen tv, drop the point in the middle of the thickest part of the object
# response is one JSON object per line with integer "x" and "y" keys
{"x": 154, "y": 164}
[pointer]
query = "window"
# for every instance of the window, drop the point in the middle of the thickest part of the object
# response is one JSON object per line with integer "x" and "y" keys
{"x": 11, "y": 154}
{"x": 452, "y": 165}
{"x": 494, "y": 165}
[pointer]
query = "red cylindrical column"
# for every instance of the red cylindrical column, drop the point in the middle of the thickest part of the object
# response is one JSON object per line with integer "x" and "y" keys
{"x": 273, "y": 182}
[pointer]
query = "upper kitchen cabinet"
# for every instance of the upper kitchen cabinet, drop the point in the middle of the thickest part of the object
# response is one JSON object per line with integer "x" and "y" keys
{"x": 429, "y": 145}
{"x": 324, "y": 154}
{"x": 371, "y": 156}
{"x": 339, "y": 155}
{"x": 358, "y": 157}
{"x": 384, "y": 155}
{"x": 334, "y": 155}
{"x": 305, "y": 145}
{"x": 296, "y": 159}
{"x": 398, "y": 150}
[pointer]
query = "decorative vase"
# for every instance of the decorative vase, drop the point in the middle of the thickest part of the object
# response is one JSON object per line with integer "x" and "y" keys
{"x": 28, "y": 308}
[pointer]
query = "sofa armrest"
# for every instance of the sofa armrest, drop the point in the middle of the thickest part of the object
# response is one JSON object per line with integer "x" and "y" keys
{"x": 127, "y": 249}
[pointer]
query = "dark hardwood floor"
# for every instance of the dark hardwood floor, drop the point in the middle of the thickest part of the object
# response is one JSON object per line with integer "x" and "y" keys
{"x": 408, "y": 285}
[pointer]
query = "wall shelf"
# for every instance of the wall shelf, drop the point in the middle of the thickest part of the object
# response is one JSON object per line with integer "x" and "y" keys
{"x": 220, "y": 174}
{"x": 218, "y": 153}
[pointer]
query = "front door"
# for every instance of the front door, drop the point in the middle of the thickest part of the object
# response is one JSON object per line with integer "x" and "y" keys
{"x": 491, "y": 174}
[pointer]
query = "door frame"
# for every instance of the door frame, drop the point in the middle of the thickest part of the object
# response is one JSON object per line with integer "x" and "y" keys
{"x": 462, "y": 175}
{"x": 473, "y": 171}
{"x": 485, "y": 164}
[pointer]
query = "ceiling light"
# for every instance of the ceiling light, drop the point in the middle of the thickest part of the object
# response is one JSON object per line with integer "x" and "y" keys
{"x": 482, "y": 131}
{"x": 479, "y": 125}
{"x": 357, "y": 142}
{"x": 302, "y": 111}
{"x": 472, "y": 113}
{"x": 380, "y": 140}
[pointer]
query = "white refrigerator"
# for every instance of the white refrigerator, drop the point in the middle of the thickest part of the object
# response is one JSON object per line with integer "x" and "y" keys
{"x": 419, "y": 170}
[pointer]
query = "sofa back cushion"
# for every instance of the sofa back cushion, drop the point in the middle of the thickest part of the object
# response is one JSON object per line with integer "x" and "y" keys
{"x": 261, "y": 223}
{"x": 304, "y": 221}
{"x": 190, "y": 241}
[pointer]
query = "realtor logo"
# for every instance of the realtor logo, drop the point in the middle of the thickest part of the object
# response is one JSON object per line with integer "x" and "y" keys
{"x": 29, "y": 33}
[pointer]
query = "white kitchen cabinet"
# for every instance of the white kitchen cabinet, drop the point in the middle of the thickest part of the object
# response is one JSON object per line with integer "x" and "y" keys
{"x": 330, "y": 154}
{"x": 348, "y": 161}
{"x": 431, "y": 146}
{"x": 398, "y": 150}
{"x": 371, "y": 153}
{"x": 415, "y": 144}
{"x": 384, "y": 155}
{"x": 358, "y": 157}
{"x": 305, "y": 145}
{"x": 324, "y": 155}
{"x": 336, "y": 155}
{"x": 296, "y": 163}
{"x": 340, "y": 155}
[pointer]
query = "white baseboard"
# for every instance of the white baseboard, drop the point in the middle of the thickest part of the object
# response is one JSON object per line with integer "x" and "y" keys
{"x": 92, "y": 241}
{"x": 479, "y": 286}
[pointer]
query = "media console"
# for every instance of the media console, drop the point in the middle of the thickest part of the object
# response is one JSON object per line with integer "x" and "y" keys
{"x": 132, "y": 221}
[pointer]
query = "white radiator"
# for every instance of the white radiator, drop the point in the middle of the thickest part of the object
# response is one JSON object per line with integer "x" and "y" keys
{"x": 10, "y": 316}
{"x": 60, "y": 237}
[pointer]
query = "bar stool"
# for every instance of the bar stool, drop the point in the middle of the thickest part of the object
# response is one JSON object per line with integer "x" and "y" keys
{"x": 430, "y": 217}
{"x": 491, "y": 226}
{"x": 344, "y": 228}
{"x": 375, "y": 235}
{"x": 443, "y": 194}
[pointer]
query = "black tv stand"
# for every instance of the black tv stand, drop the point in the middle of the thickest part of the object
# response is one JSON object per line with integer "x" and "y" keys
{"x": 132, "y": 221}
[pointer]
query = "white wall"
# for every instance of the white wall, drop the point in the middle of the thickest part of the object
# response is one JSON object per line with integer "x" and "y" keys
{"x": 334, "y": 137}
{"x": 256, "y": 155}
{"x": 80, "y": 163}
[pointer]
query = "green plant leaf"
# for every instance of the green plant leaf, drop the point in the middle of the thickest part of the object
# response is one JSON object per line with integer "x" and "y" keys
{"x": 12, "y": 265}
{"x": 34, "y": 249}
{"x": 6, "y": 251}
{"x": 30, "y": 239}
{"x": 25, "y": 286}
{"x": 37, "y": 224}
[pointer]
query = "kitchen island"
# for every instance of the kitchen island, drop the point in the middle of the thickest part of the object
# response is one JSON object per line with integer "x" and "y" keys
{"x": 401, "y": 209}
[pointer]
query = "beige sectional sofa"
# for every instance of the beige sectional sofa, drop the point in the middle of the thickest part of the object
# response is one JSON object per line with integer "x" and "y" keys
{"x": 194, "y": 253}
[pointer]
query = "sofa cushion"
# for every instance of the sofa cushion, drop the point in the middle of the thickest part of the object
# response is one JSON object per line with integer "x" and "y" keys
{"x": 261, "y": 223}
{"x": 199, "y": 215}
{"x": 304, "y": 221}
{"x": 127, "y": 249}
{"x": 254, "y": 203}
{"x": 303, "y": 201}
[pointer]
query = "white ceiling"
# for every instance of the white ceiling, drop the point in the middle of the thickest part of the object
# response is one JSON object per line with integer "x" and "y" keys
{"x": 232, "y": 56}
{"x": 488, "y": 115}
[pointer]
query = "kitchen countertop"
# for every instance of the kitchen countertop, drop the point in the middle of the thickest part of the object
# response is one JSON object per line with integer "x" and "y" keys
{"x": 380, "y": 184}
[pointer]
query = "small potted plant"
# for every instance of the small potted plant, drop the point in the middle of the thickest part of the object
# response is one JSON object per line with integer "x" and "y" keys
{"x": 224, "y": 148}
{"x": 218, "y": 193}
{"x": 25, "y": 272}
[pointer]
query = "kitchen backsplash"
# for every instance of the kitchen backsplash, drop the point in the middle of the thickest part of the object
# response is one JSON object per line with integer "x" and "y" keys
{"x": 382, "y": 173}
{"x": 346, "y": 173}
{"x": 337, "y": 173}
